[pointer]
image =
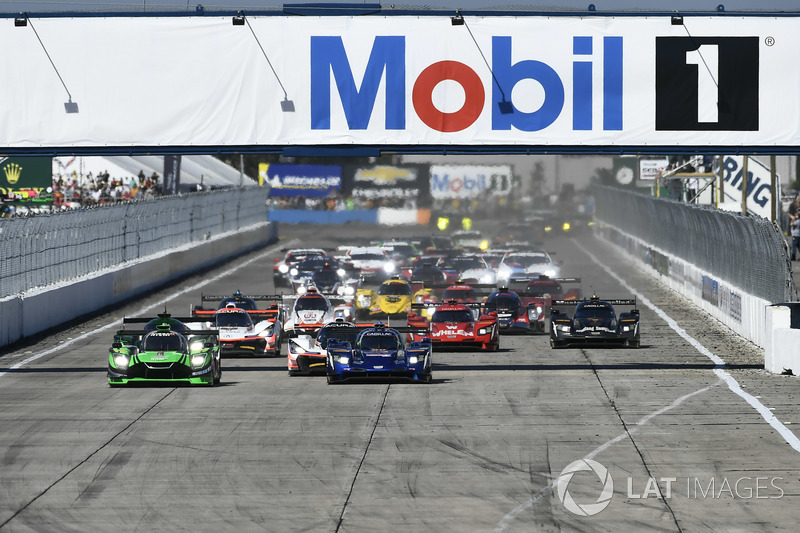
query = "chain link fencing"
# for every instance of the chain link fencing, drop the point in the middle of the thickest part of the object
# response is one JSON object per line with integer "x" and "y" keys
{"x": 747, "y": 252}
{"x": 43, "y": 250}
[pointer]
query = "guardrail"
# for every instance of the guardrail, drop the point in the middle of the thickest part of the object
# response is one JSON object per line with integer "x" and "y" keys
{"x": 44, "y": 250}
{"x": 748, "y": 253}
{"x": 729, "y": 265}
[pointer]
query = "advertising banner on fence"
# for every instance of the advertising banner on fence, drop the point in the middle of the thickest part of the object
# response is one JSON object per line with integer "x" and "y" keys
{"x": 26, "y": 179}
{"x": 386, "y": 182}
{"x": 404, "y": 80}
{"x": 759, "y": 190}
{"x": 470, "y": 181}
{"x": 301, "y": 180}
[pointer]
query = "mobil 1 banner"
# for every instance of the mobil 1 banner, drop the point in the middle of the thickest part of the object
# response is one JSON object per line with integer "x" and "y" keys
{"x": 413, "y": 80}
{"x": 388, "y": 182}
{"x": 470, "y": 181}
{"x": 759, "y": 185}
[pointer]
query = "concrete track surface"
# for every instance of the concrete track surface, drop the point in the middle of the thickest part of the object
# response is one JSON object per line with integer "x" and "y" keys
{"x": 479, "y": 449}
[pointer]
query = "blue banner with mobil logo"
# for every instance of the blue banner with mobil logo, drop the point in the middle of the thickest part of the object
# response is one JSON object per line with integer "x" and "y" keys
{"x": 302, "y": 180}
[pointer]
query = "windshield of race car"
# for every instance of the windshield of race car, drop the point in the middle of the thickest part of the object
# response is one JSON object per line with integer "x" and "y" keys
{"x": 164, "y": 342}
{"x": 458, "y": 294}
{"x": 595, "y": 311}
{"x": 526, "y": 260}
{"x": 427, "y": 274}
{"x": 379, "y": 341}
{"x": 553, "y": 290}
{"x": 460, "y": 315}
{"x": 248, "y": 304}
{"x": 233, "y": 320}
{"x": 367, "y": 257}
{"x": 338, "y": 332}
{"x": 394, "y": 289}
{"x": 507, "y": 300}
{"x": 325, "y": 276}
{"x": 311, "y": 303}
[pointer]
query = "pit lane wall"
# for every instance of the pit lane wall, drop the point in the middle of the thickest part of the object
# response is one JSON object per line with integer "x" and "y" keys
{"x": 730, "y": 266}
{"x": 782, "y": 342}
{"x": 37, "y": 309}
{"x": 385, "y": 216}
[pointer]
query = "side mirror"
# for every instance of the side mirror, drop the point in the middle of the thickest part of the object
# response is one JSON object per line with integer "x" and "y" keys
{"x": 117, "y": 345}
{"x": 554, "y": 312}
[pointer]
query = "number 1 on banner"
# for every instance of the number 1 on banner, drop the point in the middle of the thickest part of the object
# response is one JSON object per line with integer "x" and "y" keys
{"x": 706, "y": 57}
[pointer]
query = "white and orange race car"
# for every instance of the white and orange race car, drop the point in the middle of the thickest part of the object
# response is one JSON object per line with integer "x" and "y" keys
{"x": 244, "y": 329}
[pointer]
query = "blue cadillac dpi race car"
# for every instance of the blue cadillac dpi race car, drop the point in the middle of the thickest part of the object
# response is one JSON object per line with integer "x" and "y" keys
{"x": 380, "y": 352}
{"x": 594, "y": 322}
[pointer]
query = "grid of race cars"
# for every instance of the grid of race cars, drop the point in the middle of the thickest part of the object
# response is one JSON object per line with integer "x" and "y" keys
{"x": 376, "y": 310}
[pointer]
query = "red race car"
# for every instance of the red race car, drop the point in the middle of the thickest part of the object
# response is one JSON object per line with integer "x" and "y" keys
{"x": 453, "y": 325}
{"x": 537, "y": 294}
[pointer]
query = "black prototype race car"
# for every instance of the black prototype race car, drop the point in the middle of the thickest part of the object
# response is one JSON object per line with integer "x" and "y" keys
{"x": 594, "y": 321}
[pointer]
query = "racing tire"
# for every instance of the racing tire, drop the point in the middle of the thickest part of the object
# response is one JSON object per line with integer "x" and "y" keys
{"x": 428, "y": 378}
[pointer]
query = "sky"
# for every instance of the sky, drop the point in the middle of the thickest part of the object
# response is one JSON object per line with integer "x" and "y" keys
{"x": 155, "y": 6}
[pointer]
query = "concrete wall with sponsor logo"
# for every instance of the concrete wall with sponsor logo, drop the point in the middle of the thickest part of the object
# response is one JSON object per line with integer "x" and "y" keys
{"x": 741, "y": 312}
{"x": 384, "y": 215}
{"x": 37, "y": 310}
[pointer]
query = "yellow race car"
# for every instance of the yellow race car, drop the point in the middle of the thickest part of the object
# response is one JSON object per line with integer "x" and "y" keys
{"x": 393, "y": 298}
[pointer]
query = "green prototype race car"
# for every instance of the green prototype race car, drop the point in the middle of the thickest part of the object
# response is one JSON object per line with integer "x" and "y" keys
{"x": 166, "y": 350}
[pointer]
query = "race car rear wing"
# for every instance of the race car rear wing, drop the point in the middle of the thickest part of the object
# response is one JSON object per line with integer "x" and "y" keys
{"x": 473, "y": 305}
{"x": 185, "y": 332}
{"x": 608, "y": 300}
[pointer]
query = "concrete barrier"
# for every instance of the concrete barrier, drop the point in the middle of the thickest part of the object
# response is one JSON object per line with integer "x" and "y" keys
{"x": 741, "y": 312}
{"x": 40, "y": 309}
{"x": 306, "y": 216}
{"x": 782, "y": 342}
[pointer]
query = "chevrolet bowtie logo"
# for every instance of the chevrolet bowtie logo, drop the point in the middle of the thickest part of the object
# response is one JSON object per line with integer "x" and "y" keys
{"x": 13, "y": 172}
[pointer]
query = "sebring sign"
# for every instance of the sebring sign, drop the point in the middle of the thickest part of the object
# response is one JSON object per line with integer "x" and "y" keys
{"x": 516, "y": 81}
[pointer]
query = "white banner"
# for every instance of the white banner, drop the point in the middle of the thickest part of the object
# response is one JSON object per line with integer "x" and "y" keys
{"x": 650, "y": 169}
{"x": 470, "y": 181}
{"x": 400, "y": 80}
{"x": 759, "y": 189}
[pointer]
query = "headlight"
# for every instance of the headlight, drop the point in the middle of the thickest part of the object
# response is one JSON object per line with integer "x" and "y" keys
{"x": 196, "y": 346}
{"x": 364, "y": 300}
{"x": 576, "y": 323}
{"x": 487, "y": 278}
{"x": 413, "y": 359}
{"x": 293, "y": 272}
{"x": 121, "y": 360}
{"x": 550, "y": 273}
{"x": 626, "y": 328}
{"x": 429, "y": 311}
{"x": 388, "y": 268}
{"x": 283, "y": 269}
{"x": 565, "y": 329}
{"x": 483, "y": 331}
{"x": 301, "y": 289}
{"x": 401, "y": 354}
{"x": 548, "y": 228}
{"x": 343, "y": 360}
{"x": 484, "y": 245}
{"x": 566, "y": 226}
{"x": 349, "y": 290}
{"x": 533, "y": 314}
{"x": 341, "y": 272}
{"x": 198, "y": 360}
{"x": 613, "y": 324}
